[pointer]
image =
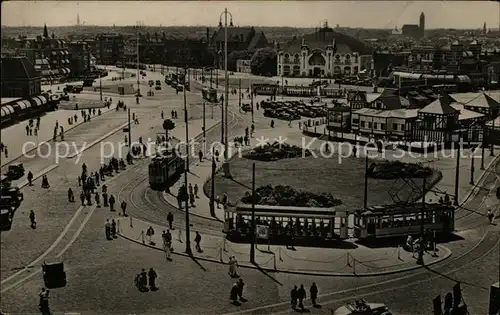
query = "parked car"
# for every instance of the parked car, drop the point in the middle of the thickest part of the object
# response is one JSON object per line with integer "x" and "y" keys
{"x": 15, "y": 171}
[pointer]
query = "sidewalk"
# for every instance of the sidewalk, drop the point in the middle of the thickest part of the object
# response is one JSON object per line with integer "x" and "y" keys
{"x": 15, "y": 136}
{"x": 356, "y": 260}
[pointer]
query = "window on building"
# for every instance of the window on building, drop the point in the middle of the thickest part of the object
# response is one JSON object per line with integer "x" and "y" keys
{"x": 382, "y": 126}
{"x": 402, "y": 127}
{"x": 355, "y": 120}
{"x": 394, "y": 126}
{"x": 375, "y": 125}
{"x": 363, "y": 124}
{"x": 369, "y": 125}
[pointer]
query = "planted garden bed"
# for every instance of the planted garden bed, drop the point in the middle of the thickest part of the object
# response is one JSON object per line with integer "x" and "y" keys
{"x": 276, "y": 151}
{"x": 397, "y": 169}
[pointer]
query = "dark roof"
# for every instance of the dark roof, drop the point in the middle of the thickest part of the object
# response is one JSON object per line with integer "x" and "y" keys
{"x": 18, "y": 68}
{"x": 255, "y": 40}
{"x": 233, "y": 34}
{"x": 483, "y": 100}
{"x": 392, "y": 100}
{"x": 410, "y": 26}
{"x": 439, "y": 107}
{"x": 327, "y": 36}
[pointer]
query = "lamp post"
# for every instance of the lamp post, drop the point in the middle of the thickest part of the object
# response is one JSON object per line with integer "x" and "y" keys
{"x": 138, "y": 74}
{"x": 186, "y": 122}
{"x": 226, "y": 13}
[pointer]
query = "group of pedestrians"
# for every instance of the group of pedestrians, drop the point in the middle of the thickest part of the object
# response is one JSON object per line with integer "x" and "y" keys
{"x": 141, "y": 280}
{"x": 190, "y": 194}
{"x": 237, "y": 292}
{"x": 110, "y": 229}
{"x": 299, "y": 295}
{"x": 31, "y": 128}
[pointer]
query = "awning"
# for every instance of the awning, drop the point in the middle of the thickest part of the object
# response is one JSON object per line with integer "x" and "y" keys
{"x": 46, "y": 73}
{"x": 36, "y": 101}
{"x": 43, "y": 99}
{"x": 9, "y": 109}
{"x": 463, "y": 79}
{"x": 4, "y": 112}
{"x": 22, "y": 105}
{"x": 68, "y": 70}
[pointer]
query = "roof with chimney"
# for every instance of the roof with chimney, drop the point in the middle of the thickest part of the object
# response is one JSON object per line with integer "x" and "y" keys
{"x": 234, "y": 34}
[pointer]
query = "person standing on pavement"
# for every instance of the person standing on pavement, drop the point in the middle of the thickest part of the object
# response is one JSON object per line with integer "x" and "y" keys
{"x": 152, "y": 279}
{"x": 191, "y": 199}
{"x": 44, "y": 301}
{"x": 196, "y": 190}
{"x": 107, "y": 229}
{"x": 241, "y": 284}
{"x": 170, "y": 219}
{"x": 190, "y": 189}
{"x": 314, "y": 293}
{"x": 293, "y": 297}
{"x": 233, "y": 296}
{"x": 97, "y": 199}
{"x": 197, "y": 240}
{"x": 6, "y": 152}
{"x": 113, "y": 228}
{"x": 124, "y": 208}
{"x": 301, "y": 295}
{"x": 82, "y": 198}
{"x": 30, "y": 178}
{"x": 149, "y": 234}
{"x": 71, "y": 196}
{"x": 200, "y": 155}
{"x": 32, "y": 219}
{"x": 111, "y": 203}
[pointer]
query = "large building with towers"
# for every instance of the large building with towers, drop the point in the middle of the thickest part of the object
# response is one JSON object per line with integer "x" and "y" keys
{"x": 324, "y": 53}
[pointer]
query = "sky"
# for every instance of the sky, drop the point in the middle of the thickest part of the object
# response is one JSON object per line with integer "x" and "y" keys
{"x": 366, "y": 14}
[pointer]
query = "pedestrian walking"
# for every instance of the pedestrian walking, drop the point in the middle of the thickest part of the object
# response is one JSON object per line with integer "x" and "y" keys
{"x": 97, "y": 200}
{"x": 107, "y": 230}
{"x": 195, "y": 189}
{"x": 149, "y": 234}
{"x": 313, "y": 291}
{"x": 105, "y": 199}
{"x": 6, "y": 152}
{"x": 233, "y": 267}
{"x": 71, "y": 196}
{"x": 197, "y": 240}
{"x": 30, "y": 178}
{"x": 200, "y": 155}
{"x": 113, "y": 228}
{"x": 82, "y": 198}
{"x": 111, "y": 203}
{"x": 190, "y": 189}
{"x": 44, "y": 301}
{"x": 170, "y": 219}
{"x": 293, "y": 297}
{"x": 152, "y": 279}
{"x": 191, "y": 199}
{"x": 490, "y": 216}
{"x": 32, "y": 219}
{"x": 301, "y": 295}
{"x": 241, "y": 284}
{"x": 124, "y": 208}
{"x": 233, "y": 296}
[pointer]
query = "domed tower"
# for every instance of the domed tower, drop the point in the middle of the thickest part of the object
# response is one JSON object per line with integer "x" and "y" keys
{"x": 422, "y": 23}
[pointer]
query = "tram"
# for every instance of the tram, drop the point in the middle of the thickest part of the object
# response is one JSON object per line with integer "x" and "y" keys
{"x": 316, "y": 225}
{"x": 209, "y": 95}
{"x": 164, "y": 170}
{"x": 394, "y": 220}
{"x": 265, "y": 89}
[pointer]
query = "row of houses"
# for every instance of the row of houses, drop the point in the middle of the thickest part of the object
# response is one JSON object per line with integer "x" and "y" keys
{"x": 391, "y": 116}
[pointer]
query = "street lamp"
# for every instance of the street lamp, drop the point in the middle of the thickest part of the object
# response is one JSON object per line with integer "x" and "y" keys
{"x": 226, "y": 13}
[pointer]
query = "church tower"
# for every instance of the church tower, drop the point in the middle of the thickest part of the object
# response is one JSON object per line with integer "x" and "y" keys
{"x": 78, "y": 19}
{"x": 484, "y": 28}
{"x": 422, "y": 24}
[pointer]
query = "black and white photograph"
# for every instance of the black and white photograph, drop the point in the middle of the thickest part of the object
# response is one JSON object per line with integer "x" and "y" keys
{"x": 250, "y": 157}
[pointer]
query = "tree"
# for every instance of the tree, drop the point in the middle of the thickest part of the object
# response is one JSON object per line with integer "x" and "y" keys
{"x": 234, "y": 56}
{"x": 168, "y": 124}
{"x": 264, "y": 61}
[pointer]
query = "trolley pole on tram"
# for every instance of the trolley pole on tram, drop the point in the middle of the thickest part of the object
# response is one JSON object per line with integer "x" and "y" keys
{"x": 187, "y": 127}
{"x": 252, "y": 248}
{"x": 365, "y": 202}
{"x": 420, "y": 259}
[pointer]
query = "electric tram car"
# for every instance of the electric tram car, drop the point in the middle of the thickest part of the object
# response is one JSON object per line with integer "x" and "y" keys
{"x": 164, "y": 170}
{"x": 327, "y": 224}
{"x": 209, "y": 95}
{"x": 394, "y": 220}
{"x": 318, "y": 224}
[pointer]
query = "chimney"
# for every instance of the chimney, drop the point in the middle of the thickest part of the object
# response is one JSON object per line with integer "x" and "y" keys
{"x": 208, "y": 36}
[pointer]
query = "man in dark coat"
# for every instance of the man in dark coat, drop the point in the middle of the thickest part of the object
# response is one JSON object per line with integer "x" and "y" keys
{"x": 30, "y": 178}
{"x": 314, "y": 293}
{"x": 152, "y": 279}
{"x": 170, "y": 219}
{"x": 143, "y": 280}
{"x": 197, "y": 240}
{"x": 233, "y": 296}
{"x": 293, "y": 297}
{"x": 301, "y": 295}
{"x": 111, "y": 203}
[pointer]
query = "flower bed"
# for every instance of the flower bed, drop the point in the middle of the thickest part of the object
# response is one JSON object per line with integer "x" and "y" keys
{"x": 397, "y": 169}
{"x": 276, "y": 151}
{"x": 288, "y": 196}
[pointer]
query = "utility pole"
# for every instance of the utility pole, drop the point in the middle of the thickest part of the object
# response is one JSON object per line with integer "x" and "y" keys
{"x": 129, "y": 131}
{"x": 457, "y": 170}
{"x": 187, "y": 128}
{"x": 100, "y": 85}
{"x": 211, "y": 70}
{"x": 188, "y": 236}
{"x": 226, "y": 77}
{"x": 365, "y": 203}
{"x": 252, "y": 248}
{"x": 483, "y": 144}
{"x": 239, "y": 94}
{"x": 490, "y": 135}
{"x": 420, "y": 259}
{"x": 251, "y": 99}
{"x": 212, "y": 191}
{"x": 138, "y": 74}
{"x": 471, "y": 182}
{"x": 222, "y": 120}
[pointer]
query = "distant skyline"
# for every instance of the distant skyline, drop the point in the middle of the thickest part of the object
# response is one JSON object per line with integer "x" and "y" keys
{"x": 365, "y": 14}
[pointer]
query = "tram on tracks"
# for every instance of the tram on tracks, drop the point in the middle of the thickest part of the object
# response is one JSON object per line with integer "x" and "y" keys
{"x": 265, "y": 88}
{"x": 394, "y": 220}
{"x": 165, "y": 170}
{"x": 328, "y": 224}
{"x": 285, "y": 223}
{"x": 209, "y": 95}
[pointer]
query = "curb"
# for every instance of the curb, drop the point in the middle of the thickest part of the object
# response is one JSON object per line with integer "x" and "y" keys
{"x": 93, "y": 143}
{"x": 50, "y": 139}
{"x": 447, "y": 255}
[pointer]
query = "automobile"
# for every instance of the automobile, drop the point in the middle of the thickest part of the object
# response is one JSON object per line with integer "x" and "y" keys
{"x": 151, "y": 82}
{"x": 158, "y": 82}
{"x": 77, "y": 89}
{"x": 6, "y": 215}
{"x": 11, "y": 197}
{"x": 246, "y": 107}
{"x": 157, "y": 87}
{"x": 180, "y": 88}
{"x": 54, "y": 275}
{"x": 15, "y": 171}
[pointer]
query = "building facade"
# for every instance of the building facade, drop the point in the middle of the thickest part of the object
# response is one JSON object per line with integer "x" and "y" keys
{"x": 109, "y": 48}
{"x": 243, "y": 65}
{"x": 19, "y": 78}
{"x": 325, "y": 53}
